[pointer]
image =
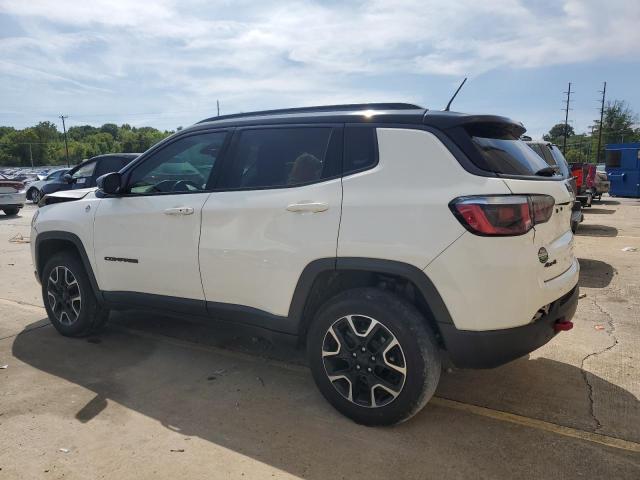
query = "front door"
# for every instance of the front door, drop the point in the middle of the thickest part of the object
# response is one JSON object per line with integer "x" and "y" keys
{"x": 146, "y": 240}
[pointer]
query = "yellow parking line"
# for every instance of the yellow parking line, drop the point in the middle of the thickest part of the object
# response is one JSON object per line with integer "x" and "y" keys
{"x": 538, "y": 424}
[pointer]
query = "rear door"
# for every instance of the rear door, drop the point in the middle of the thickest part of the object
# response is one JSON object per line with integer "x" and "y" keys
{"x": 275, "y": 210}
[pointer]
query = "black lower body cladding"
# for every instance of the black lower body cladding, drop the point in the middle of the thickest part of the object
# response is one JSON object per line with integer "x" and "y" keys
{"x": 492, "y": 348}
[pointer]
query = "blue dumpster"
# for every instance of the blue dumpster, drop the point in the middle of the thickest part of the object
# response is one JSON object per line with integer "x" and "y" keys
{"x": 622, "y": 164}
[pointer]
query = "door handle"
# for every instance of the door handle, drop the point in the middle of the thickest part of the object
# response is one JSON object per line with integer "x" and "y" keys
{"x": 314, "y": 207}
{"x": 179, "y": 211}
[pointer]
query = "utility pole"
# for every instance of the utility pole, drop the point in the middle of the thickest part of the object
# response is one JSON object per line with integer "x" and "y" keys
{"x": 31, "y": 155}
{"x": 218, "y": 105}
{"x": 566, "y": 121}
{"x": 66, "y": 146}
{"x": 603, "y": 91}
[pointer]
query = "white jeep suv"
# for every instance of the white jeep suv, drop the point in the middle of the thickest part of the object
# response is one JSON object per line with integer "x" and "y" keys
{"x": 382, "y": 236}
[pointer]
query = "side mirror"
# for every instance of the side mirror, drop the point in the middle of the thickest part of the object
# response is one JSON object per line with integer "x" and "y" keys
{"x": 67, "y": 178}
{"x": 110, "y": 183}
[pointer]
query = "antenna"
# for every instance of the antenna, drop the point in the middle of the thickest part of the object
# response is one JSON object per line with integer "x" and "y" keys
{"x": 446, "y": 109}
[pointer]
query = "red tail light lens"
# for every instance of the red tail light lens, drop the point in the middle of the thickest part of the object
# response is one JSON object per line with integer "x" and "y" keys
{"x": 502, "y": 215}
{"x": 542, "y": 206}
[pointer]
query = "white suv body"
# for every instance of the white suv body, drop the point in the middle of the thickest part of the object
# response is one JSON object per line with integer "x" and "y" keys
{"x": 355, "y": 228}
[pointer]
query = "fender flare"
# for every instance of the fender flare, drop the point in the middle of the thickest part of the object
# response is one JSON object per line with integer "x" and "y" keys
{"x": 415, "y": 275}
{"x": 77, "y": 243}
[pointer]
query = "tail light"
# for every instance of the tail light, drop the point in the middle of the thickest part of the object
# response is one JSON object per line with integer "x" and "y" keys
{"x": 502, "y": 215}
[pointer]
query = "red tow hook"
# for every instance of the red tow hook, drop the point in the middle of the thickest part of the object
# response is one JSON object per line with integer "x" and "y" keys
{"x": 562, "y": 326}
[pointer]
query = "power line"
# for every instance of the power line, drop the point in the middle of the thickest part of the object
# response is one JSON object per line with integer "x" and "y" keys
{"x": 64, "y": 129}
{"x": 604, "y": 91}
{"x": 566, "y": 120}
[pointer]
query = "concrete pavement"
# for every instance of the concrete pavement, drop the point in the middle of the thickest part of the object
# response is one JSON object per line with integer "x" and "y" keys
{"x": 162, "y": 398}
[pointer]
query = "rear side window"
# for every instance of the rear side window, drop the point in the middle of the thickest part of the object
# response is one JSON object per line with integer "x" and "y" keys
{"x": 360, "y": 149}
{"x": 613, "y": 158}
{"x": 501, "y": 151}
{"x": 282, "y": 157}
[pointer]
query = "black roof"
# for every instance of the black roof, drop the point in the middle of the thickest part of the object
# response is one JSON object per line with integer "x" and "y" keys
{"x": 355, "y": 113}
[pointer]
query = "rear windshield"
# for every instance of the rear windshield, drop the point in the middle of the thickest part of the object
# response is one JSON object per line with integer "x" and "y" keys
{"x": 502, "y": 151}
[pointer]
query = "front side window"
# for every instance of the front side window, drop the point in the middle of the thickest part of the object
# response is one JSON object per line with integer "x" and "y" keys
{"x": 84, "y": 173}
{"x": 180, "y": 167}
{"x": 282, "y": 157}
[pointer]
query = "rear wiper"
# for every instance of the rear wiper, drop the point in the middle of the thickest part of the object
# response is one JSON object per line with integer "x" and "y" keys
{"x": 547, "y": 171}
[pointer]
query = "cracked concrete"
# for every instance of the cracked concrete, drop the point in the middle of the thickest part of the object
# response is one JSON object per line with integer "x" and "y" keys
{"x": 610, "y": 331}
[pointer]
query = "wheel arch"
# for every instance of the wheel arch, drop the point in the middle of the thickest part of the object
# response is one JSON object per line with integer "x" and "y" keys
{"x": 52, "y": 242}
{"x": 325, "y": 278}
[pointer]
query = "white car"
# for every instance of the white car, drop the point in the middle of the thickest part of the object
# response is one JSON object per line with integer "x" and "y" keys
{"x": 12, "y": 195}
{"x": 382, "y": 236}
{"x": 34, "y": 189}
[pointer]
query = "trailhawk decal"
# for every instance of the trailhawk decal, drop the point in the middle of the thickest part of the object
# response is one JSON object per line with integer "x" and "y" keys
{"x": 121, "y": 259}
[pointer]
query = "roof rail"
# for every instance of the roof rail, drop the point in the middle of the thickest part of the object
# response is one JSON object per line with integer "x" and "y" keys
{"x": 323, "y": 108}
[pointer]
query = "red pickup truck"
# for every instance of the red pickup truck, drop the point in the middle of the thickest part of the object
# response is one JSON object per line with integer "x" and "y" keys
{"x": 585, "y": 174}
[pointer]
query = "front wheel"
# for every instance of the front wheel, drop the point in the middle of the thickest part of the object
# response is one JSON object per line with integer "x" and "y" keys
{"x": 69, "y": 298}
{"x": 373, "y": 357}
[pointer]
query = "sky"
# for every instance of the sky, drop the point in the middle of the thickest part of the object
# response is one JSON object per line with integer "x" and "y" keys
{"x": 164, "y": 63}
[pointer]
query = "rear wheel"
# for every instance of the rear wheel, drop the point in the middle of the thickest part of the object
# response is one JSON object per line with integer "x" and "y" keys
{"x": 11, "y": 211}
{"x": 68, "y": 297}
{"x": 373, "y": 356}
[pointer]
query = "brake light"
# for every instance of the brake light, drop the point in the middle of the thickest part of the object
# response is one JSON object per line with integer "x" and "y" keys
{"x": 502, "y": 215}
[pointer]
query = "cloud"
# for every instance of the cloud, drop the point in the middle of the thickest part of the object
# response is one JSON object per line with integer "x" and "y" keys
{"x": 190, "y": 52}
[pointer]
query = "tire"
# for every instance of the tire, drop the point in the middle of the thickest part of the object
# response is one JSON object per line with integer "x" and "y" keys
{"x": 69, "y": 298}
{"x": 9, "y": 212}
{"x": 35, "y": 196}
{"x": 348, "y": 319}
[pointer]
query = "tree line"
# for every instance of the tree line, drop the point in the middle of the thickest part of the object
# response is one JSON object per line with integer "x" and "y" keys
{"x": 619, "y": 125}
{"x": 43, "y": 144}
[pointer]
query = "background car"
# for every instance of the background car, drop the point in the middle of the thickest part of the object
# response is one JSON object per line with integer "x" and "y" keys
{"x": 85, "y": 174}
{"x": 34, "y": 189}
{"x": 12, "y": 195}
{"x": 554, "y": 158}
{"x": 601, "y": 180}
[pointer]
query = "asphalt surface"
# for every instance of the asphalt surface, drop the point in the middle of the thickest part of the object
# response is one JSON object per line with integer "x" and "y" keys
{"x": 156, "y": 397}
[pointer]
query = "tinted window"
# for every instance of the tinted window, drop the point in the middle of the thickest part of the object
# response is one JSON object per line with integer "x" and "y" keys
{"x": 360, "y": 149}
{"x": 502, "y": 151}
{"x": 282, "y": 157}
{"x": 181, "y": 166}
{"x": 108, "y": 165}
{"x": 612, "y": 158}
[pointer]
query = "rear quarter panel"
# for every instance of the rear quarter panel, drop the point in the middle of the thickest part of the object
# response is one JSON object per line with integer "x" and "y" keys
{"x": 399, "y": 209}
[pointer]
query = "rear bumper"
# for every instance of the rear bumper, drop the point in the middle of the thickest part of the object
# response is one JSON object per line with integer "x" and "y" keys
{"x": 488, "y": 349}
{"x": 12, "y": 199}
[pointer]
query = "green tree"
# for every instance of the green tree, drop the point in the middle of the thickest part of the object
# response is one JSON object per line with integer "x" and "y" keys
{"x": 557, "y": 132}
